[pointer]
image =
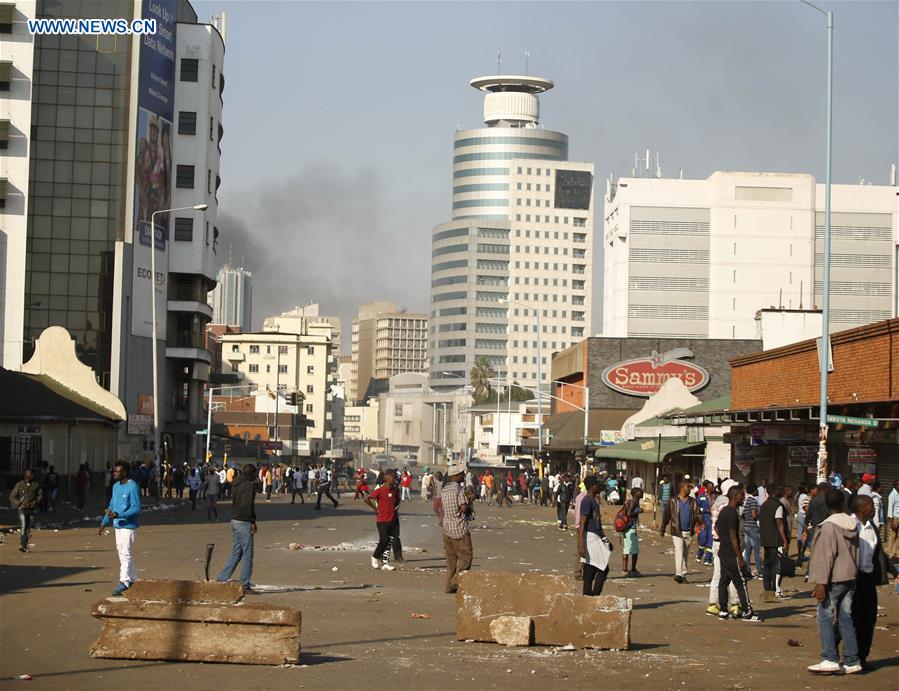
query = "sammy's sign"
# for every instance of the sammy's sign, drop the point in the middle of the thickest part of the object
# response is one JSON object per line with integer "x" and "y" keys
{"x": 645, "y": 376}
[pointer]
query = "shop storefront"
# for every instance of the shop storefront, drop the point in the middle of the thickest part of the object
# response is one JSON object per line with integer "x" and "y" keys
{"x": 775, "y": 415}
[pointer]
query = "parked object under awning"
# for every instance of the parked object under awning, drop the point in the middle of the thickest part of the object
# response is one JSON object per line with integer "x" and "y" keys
{"x": 646, "y": 450}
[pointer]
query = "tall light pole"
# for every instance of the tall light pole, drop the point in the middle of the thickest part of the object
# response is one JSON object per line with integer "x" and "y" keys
{"x": 825, "y": 287}
{"x": 156, "y": 431}
{"x": 536, "y": 311}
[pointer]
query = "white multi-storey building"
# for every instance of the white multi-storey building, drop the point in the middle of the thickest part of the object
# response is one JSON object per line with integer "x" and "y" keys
{"x": 16, "y": 71}
{"x": 290, "y": 363}
{"x": 232, "y": 298}
{"x": 522, "y": 231}
{"x": 386, "y": 340}
{"x": 699, "y": 258}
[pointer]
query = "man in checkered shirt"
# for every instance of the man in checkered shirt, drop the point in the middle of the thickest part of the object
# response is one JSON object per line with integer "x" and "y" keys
{"x": 456, "y": 538}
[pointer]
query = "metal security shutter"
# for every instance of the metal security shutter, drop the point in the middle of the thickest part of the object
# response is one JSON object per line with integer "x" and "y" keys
{"x": 887, "y": 466}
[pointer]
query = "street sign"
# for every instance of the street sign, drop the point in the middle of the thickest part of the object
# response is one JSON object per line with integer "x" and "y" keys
{"x": 201, "y": 432}
{"x": 857, "y": 421}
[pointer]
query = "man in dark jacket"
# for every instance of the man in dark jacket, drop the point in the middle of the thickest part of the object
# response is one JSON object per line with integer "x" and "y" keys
{"x": 683, "y": 516}
{"x": 772, "y": 531}
{"x": 243, "y": 527}
{"x": 26, "y": 497}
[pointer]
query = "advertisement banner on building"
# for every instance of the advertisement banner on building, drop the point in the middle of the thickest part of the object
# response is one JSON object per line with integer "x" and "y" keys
{"x": 610, "y": 437}
{"x": 153, "y": 162}
{"x": 644, "y": 376}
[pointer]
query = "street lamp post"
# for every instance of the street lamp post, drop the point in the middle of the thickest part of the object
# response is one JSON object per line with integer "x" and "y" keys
{"x": 825, "y": 287}
{"x": 536, "y": 311}
{"x": 586, "y": 390}
{"x": 156, "y": 430}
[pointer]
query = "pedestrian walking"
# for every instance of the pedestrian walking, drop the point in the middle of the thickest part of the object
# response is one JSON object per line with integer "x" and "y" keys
{"x": 665, "y": 498}
{"x": 704, "y": 500}
{"x": 594, "y": 548}
{"x": 733, "y": 567}
{"x": 406, "y": 485}
{"x": 893, "y": 521}
{"x": 51, "y": 489}
{"x": 630, "y": 541}
{"x": 456, "y": 535}
{"x": 772, "y": 531}
{"x": 752, "y": 545}
{"x": 124, "y": 512}
{"x": 833, "y": 568}
{"x": 26, "y": 496}
{"x": 683, "y": 518}
{"x": 243, "y": 527}
{"x": 82, "y": 486}
{"x": 873, "y": 569}
{"x": 213, "y": 487}
{"x": 324, "y": 487}
{"x": 386, "y": 523}
{"x": 297, "y": 480}
{"x": 193, "y": 487}
{"x": 564, "y": 492}
{"x": 734, "y": 607}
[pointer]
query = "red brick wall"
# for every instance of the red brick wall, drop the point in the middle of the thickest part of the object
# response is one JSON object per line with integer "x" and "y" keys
{"x": 866, "y": 368}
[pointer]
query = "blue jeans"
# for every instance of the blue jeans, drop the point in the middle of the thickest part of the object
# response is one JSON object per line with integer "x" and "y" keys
{"x": 241, "y": 550}
{"x": 836, "y": 612}
{"x": 752, "y": 545}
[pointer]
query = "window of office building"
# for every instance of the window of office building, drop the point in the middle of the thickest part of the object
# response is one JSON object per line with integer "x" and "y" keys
{"x": 190, "y": 69}
{"x": 184, "y": 177}
{"x": 187, "y": 122}
{"x": 254, "y": 369}
{"x": 184, "y": 229}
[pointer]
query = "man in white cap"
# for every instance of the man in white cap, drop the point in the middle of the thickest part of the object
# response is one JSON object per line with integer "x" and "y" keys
{"x": 733, "y": 599}
{"x": 456, "y": 537}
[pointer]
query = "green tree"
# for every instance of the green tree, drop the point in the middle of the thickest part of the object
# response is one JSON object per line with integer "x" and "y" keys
{"x": 480, "y": 376}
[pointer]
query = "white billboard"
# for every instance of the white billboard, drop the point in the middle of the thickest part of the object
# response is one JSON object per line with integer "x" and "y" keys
{"x": 141, "y": 299}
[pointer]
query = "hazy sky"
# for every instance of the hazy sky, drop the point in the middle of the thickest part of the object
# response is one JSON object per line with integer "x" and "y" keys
{"x": 339, "y": 117}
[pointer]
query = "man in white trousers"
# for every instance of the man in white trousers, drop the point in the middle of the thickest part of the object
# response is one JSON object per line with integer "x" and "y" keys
{"x": 124, "y": 512}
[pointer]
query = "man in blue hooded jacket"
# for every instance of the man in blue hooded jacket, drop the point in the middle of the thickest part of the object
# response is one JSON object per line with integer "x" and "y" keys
{"x": 124, "y": 512}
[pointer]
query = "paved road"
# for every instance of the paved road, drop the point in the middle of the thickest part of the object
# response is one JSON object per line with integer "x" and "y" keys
{"x": 365, "y": 637}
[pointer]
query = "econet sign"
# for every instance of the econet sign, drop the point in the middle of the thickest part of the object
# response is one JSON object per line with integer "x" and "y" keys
{"x": 645, "y": 376}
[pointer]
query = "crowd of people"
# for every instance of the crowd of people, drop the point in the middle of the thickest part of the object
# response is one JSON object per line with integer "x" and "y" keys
{"x": 835, "y": 526}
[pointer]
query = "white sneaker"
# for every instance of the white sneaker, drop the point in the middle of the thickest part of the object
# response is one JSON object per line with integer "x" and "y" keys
{"x": 824, "y": 667}
{"x": 388, "y": 567}
{"x": 375, "y": 563}
{"x": 852, "y": 669}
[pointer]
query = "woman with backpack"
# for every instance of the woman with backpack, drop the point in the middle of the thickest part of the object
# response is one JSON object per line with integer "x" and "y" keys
{"x": 626, "y": 525}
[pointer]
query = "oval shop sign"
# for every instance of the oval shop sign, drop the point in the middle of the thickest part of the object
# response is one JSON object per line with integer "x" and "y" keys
{"x": 645, "y": 376}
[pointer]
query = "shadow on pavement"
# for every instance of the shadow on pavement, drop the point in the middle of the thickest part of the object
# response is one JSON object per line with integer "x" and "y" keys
{"x": 23, "y": 577}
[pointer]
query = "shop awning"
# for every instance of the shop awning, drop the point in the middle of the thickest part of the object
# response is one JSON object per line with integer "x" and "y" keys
{"x": 646, "y": 450}
{"x": 566, "y": 430}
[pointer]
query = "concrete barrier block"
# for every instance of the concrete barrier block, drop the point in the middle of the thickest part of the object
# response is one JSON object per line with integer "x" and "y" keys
{"x": 560, "y": 615}
{"x": 210, "y": 631}
{"x": 185, "y": 591}
{"x": 512, "y": 631}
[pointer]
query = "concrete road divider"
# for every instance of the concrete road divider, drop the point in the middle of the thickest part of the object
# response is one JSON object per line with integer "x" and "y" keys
{"x": 503, "y": 606}
{"x": 196, "y": 621}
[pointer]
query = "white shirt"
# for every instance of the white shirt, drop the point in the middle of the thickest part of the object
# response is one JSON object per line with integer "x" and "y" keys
{"x": 637, "y": 482}
{"x": 763, "y": 495}
{"x": 878, "y": 508}
{"x": 865, "y": 489}
{"x": 867, "y": 541}
{"x": 802, "y": 503}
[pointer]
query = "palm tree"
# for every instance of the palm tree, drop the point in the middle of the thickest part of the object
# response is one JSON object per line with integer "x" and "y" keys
{"x": 480, "y": 376}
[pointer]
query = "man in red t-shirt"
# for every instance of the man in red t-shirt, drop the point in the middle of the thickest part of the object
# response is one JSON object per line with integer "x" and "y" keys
{"x": 387, "y": 520}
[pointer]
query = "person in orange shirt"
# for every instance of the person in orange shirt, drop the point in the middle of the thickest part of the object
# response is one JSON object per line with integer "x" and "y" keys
{"x": 491, "y": 486}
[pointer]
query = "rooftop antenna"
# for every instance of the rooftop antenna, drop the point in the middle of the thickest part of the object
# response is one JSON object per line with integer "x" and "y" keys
{"x": 499, "y": 62}
{"x": 658, "y": 166}
{"x": 229, "y": 255}
{"x": 800, "y": 294}
{"x": 527, "y": 55}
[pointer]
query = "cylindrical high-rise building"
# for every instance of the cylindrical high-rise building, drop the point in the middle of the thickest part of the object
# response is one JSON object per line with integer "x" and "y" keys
{"x": 482, "y": 157}
{"x": 515, "y": 195}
